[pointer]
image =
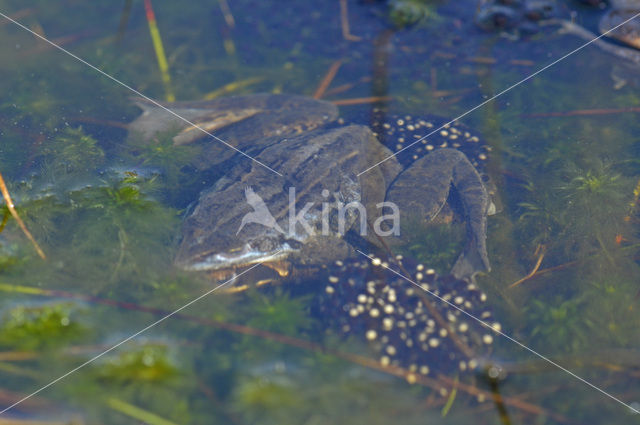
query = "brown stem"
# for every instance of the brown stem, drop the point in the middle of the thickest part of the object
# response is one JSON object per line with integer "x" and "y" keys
{"x": 584, "y": 112}
{"x": 344, "y": 23}
{"x": 14, "y": 213}
{"x": 361, "y": 100}
{"x": 534, "y": 270}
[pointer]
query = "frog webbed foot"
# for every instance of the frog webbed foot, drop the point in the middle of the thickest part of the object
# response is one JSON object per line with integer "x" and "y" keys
{"x": 423, "y": 189}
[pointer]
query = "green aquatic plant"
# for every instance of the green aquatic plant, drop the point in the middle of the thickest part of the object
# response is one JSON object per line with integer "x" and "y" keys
{"x": 559, "y": 325}
{"x": 599, "y": 183}
{"x": 126, "y": 195}
{"x": 116, "y": 226}
{"x": 582, "y": 216}
{"x": 278, "y": 311}
{"x": 11, "y": 256}
{"x": 40, "y": 327}
{"x": 436, "y": 246}
{"x": 164, "y": 153}
{"x": 596, "y": 202}
{"x": 171, "y": 161}
{"x": 539, "y": 218}
{"x": 404, "y": 13}
{"x": 111, "y": 230}
{"x": 291, "y": 392}
{"x": 259, "y": 396}
{"x": 30, "y": 101}
{"x": 149, "y": 363}
{"x": 71, "y": 151}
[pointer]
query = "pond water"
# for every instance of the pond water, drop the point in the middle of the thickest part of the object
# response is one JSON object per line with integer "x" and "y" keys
{"x": 107, "y": 212}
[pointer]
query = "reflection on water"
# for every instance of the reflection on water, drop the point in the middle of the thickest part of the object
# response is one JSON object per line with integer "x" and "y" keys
{"x": 107, "y": 212}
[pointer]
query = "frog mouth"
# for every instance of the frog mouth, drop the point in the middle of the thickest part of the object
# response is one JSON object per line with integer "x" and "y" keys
{"x": 225, "y": 265}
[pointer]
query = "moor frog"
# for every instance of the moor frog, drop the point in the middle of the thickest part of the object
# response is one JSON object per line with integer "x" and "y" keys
{"x": 322, "y": 192}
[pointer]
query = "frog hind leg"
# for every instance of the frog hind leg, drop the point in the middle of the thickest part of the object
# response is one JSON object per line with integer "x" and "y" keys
{"x": 424, "y": 189}
{"x": 476, "y": 202}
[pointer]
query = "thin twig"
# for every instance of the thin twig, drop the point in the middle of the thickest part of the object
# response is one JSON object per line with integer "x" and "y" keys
{"x": 19, "y": 14}
{"x": 361, "y": 100}
{"x": 14, "y": 213}
{"x": 542, "y": 250}
{"x": 124, "y": 20}
{"x": 348, "y": 86}
{"x": 575, "y": 262}
{"x": 328, "y": 78}
{"x": 584, "y": 112}
{"x": 226, "y": 12}
{"x": 344, "y": 23}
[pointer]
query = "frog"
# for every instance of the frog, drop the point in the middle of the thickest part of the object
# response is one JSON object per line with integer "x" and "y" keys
{"x": 619, "y": 12}
{"x": 245, "y": 123}
{"x": 622, "y": 43}
{"x": 321, "y": 164}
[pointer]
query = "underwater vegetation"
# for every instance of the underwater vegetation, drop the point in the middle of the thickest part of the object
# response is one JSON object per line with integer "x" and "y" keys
{"x": 149, "y": 363}
{"x": 107, "y": 210}
{"x": 588, "y": 207}
{"x": 436, "y": 245}
{"x": 71, "y": 153}
{"x": 404, "y": 13}
{"x": 33, "y": 327}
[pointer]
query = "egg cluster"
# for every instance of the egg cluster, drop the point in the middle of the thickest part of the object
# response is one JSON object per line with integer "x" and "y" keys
{"x": 391, "y": 313}
{"x": 397, "y": 132}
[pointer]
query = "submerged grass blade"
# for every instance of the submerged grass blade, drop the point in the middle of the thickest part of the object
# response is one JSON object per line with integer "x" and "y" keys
{"x": 24, "y": 289}
{"x": 137, "y": 413}
{"x": 231, "y": 87}
{"x": 451, "y": 399}
{"x": 159, "y": 49}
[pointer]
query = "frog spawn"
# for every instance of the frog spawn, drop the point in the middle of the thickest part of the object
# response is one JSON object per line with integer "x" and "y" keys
{"x": 397, "y": 132}
{"x": 381, "y": 307}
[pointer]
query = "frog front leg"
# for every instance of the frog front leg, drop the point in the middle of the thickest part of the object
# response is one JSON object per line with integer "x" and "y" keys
{"x": 423, "y": 189}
